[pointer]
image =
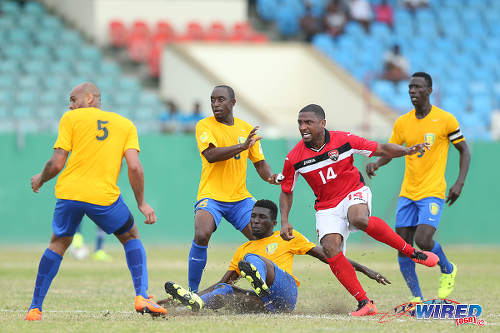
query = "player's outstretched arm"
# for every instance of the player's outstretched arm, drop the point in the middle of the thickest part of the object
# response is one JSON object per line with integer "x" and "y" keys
{"x": 136, "y": 179}
{"x": 370, "y": 273}
{"x": 391, "y": 150}
{"x": 456, "y": 189}
{"x": 373, "y": 166}
{"x": 229, "y": 277}
{"x": 51, "y": 169}
{"x": 286, "y": 200}
{"x": 217, "y": 154}
{"x": 266, "y": 173}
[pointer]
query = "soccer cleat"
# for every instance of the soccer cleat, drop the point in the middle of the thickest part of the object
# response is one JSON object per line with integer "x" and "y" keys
{"x": 447, "y": 283}
{"x": 143, "y": 305}
{"x": 426, "y": 258}
{"x": 365, "y": 308}
{"x": 101, "y": 255}
{"x": 187, "y": 298}
{"x": 33, "y": 314}
{"x": 77, "y": 240}
{"x": 416, "y": 299}
{"x": 250, "y": 272}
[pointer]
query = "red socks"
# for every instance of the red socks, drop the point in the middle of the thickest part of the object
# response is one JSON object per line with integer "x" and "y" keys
{"x": 380, "y": 231}
{"x": 345, "y": 273}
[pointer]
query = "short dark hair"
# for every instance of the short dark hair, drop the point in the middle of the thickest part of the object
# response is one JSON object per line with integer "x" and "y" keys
{"x": 427, "y": 78}
{"x": 316, "y": 109}
{"x": 269, "y": 205}
{"x": 228, "y": 88}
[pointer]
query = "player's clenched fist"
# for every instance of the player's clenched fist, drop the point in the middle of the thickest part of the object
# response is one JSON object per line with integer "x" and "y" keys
{"x": 148, "y": 212}
{"x": 36, "y": 182}
{"x": 286, "y": 231}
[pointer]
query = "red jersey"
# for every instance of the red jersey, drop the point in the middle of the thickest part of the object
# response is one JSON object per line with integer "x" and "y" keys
{"x": 330, "y": 170}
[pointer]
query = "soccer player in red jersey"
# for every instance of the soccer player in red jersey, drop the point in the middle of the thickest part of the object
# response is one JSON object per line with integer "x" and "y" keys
{"x": 343, "y": 201}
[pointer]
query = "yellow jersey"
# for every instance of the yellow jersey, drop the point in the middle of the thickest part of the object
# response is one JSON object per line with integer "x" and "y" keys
{"x": 225, "y": 180}
{"x": 276, "y": 249}
{"x": 424, "y": 173}
{"x": 97, "y": 141}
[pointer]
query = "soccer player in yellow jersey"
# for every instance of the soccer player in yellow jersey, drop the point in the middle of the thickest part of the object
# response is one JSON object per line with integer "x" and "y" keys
{"x": 98, "y": 140}
{"x": 225, "y": 143}
{"x": 267, "y": 263}
{"x": 423, "y": 191}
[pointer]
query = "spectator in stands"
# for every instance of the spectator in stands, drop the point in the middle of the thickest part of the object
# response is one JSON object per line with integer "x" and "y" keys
{"x": 335, "y": 18}
{"x": 396, "y": 67}
{"x": 360, "y": 11}
{"x": 170, "y": 119}
{"x": 310, "y": 24}
{"x": 412, "y": 5}
{"x": 189, "y": 121}
{"x": 384, "y": 13}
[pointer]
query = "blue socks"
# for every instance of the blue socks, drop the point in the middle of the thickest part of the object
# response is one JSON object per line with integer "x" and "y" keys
{"x": 197, "y": 262}
{"x": 47, "y": 270}
{"x": 407, "y": 268}
{"x": 100, "y": 239}
{"x": 136, "y": 261}
{"x": 258, "y": 263}
{"x": 445, "y": 265}
{"x": 220, "y": 289}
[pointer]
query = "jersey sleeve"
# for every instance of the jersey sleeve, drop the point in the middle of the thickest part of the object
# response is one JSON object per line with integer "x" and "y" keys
{"x": 396, "y": 135}
{"x": 361, "y": 145}
{"x": 204, "y": 137}
{"x": 255, "y": 153}
{"x": 453, "y": 130}
{"x": 233, "y": 265}
{"x": 300, "y": 244}
{"x": 132, "y": 139}
{"x": 288, "y": 183}
{"x": 65, "y": 134}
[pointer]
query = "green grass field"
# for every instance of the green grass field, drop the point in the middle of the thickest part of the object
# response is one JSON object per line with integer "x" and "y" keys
{"x": 98, "y": 297}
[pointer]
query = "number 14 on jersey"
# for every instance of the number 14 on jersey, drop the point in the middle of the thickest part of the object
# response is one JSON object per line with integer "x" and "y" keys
{"x": 330, "y": 174}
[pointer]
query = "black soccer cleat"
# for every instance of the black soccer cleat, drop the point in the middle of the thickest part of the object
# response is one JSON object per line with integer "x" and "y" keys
{"x": 250, "y": 272}
{"x": 189, "y": 299}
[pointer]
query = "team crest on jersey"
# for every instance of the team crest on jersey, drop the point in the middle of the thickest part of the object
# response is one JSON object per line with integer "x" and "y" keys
{"x": 204, "y": 137}
{"x": 333, "y": 155}
{"x": 241, "y": 139}
{"x": 429, "y": 138}
{"x": 271, "y": 248}
{"x": 434, "y": 208}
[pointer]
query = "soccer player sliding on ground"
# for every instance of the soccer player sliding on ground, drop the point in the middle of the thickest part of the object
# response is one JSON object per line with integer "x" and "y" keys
{"x": 343, "y": 202}
{"x": 267, "y": 263}
{"x": 98, "y": 141}
{"x": 423, "y": 190}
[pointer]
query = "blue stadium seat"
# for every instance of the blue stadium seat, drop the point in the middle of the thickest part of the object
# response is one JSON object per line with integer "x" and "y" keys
{"x": 267, "y": 9}
{"x": 28, "y": 22}
{"x": 23, "y": 112}
{"x": 6, "y": 97}
{"x": 51, "y": 22}
{"x": 8, "y": 66}
{"x": 71, "y": 38}
{"x": 84, "y": 67}
{"x": 40, "y": 52}
{"x": 28, "y": 82}
{"x": 287, "y": 21}
{"x": 52, "y": 97}
{"x": 34, "y": 67}
{"x": 10, "y": 8}
{"x": 66, "y": 52}
{"x": 19, "y": 36}
{"x": 60, "y": 67}
{"x": 90, "y": 53}
{"x": 33, "y": 8}
{"x": 324, "y": 43}
{"x": 384, "y": 89}
{"x": 47, "y": 37}
{"x": 109, "y": 69}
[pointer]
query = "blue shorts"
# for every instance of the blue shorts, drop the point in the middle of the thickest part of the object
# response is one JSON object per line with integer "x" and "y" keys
{"x": 237, "y": 213}
{"x": 69, "y": 213}
{"x": 283, "y": 292}
{"x": 412, "y": 213}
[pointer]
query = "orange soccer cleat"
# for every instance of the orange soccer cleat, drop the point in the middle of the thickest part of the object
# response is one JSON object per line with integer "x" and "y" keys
{"x": 33, "y": 314}
{"x": 426, "y": 258}
{"x": 143, "y": 305}
{"x": 365, "y": 308}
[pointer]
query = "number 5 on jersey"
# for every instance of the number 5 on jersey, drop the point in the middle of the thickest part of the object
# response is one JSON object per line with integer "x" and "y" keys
{"x": 330, "y": 174}
{"x": 102, "y": 128}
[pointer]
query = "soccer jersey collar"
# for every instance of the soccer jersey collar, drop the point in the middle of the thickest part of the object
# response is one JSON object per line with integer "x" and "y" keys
{"x": 327, "y": 140}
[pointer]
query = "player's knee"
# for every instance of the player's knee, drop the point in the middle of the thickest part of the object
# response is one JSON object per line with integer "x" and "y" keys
{"x": 332, "y": 250}
{"x": 423, "y": 242}
{"x": 202, "y": 237}
{"x": 359, "y": 221}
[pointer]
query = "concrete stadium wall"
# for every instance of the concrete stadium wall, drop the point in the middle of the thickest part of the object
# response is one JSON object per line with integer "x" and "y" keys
{"x": 273, "y": 82}
{"x": 172, "y": 167}
{"x": 93, "y": 16}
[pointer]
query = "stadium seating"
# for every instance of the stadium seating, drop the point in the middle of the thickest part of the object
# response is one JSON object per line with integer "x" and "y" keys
{"x": 457, "y": 42}
{"x": 41, "y": 60}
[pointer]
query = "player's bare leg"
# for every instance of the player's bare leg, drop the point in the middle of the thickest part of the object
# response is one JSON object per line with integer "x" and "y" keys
{"x": 137, "y": 264}
{"x": 359, "y": 216}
